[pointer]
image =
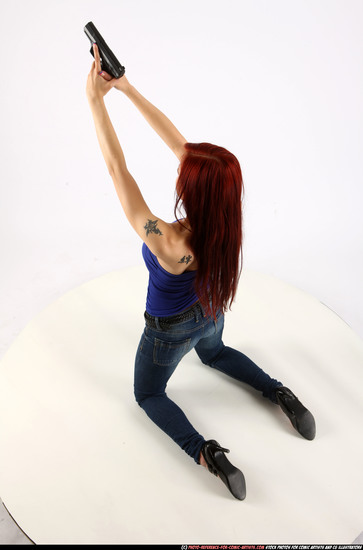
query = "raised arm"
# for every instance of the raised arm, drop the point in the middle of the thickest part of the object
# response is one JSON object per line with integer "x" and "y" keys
{"x": 157, "y": 234}
{"x": 157, "y": 120}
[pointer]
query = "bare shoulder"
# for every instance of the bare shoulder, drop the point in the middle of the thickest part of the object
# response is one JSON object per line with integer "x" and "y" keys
{"x": 177, "y": 256}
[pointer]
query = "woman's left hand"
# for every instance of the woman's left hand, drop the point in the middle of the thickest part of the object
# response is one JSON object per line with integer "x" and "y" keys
{"x": 99, "y": 83}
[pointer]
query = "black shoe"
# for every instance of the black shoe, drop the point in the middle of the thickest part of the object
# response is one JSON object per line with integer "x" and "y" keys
{"x": 302, "y": 419}
{"x": 220, "y": 466}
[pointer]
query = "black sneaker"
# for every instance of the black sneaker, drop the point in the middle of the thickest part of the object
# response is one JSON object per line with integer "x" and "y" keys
{"x": 302, "y": 419}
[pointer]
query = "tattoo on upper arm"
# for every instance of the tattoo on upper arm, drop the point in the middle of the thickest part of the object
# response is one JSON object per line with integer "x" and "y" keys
{"x": 185, "y": 259}
{"x": 150, "y": 227}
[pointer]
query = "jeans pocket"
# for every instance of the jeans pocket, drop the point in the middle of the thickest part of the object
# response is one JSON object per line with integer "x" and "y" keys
{"x": 167, "y": 354}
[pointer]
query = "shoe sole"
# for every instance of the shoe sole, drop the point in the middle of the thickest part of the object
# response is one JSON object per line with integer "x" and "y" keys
{"x": 301, "y": 419}
{"x": 306, "y": 425}
{"x": 231, "y": 476}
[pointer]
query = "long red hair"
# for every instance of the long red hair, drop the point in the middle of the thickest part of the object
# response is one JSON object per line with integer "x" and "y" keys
{"x": 210, "y": 190}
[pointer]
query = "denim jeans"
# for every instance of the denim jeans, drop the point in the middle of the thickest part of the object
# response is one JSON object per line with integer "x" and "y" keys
{"x": 160, "y": 350}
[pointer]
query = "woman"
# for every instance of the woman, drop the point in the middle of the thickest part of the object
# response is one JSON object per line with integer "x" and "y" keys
{"x": 194, "y": 267}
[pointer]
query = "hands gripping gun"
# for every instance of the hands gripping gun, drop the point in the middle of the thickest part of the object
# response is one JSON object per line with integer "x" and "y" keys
{"x": 109, "y": 62}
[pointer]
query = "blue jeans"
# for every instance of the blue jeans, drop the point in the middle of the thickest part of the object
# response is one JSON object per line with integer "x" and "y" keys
{"x": 160, "y": 350}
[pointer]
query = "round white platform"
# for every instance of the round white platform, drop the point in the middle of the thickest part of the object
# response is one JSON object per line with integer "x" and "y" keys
{"x": 81, "y": 462}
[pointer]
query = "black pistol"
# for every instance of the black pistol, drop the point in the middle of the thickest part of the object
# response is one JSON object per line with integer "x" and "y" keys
{"x": 109, "y": 62}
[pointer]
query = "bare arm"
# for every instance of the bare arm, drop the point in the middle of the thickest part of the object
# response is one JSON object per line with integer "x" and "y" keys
{"x": 157, "y": 120}
{"x": 151, "y": 229}
{"x": 148, "y": 226}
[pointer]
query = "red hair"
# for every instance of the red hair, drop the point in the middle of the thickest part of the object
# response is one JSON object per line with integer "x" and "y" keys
{"x": 210, "y": 189}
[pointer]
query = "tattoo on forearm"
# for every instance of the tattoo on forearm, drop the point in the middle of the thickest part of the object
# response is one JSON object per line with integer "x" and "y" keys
{"x": 185, "y": 259}
{"x": 150, "y": 227}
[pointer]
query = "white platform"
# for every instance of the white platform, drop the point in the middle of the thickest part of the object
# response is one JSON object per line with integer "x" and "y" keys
{"x": 81, "y": 463}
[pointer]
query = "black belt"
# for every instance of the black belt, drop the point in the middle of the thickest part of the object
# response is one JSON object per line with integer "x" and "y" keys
{"x": 173, "y": 319}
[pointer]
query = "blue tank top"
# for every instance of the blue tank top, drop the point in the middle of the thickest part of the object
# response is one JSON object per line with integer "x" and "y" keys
{"x": 167, "y": 294}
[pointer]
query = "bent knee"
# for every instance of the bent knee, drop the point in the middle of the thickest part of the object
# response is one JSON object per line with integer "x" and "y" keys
{"x": 141, "y": 397}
